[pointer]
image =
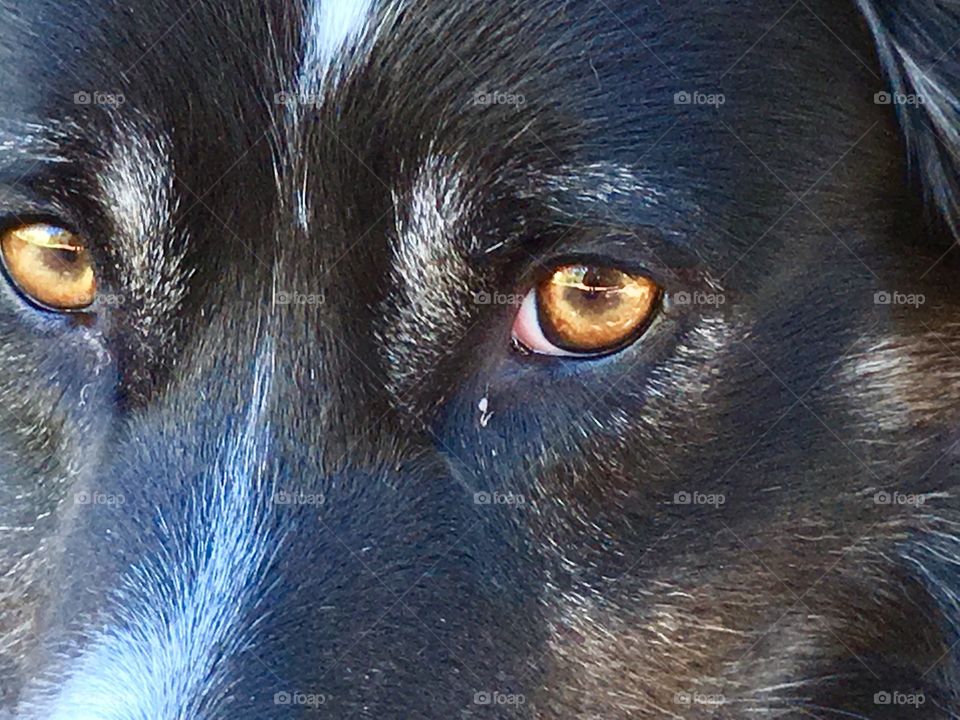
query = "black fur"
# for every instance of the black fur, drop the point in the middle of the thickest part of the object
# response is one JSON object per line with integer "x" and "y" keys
{"x": 366, "y": 502}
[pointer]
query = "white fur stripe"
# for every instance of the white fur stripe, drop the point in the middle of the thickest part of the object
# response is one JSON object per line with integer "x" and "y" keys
{"x": 177, "y": 618}
{"x": 332, "y": 27}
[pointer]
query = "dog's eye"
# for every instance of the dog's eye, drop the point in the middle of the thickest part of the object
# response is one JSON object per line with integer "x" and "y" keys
{"x": 50, "y": 265}
{"x": 584, "y": 310}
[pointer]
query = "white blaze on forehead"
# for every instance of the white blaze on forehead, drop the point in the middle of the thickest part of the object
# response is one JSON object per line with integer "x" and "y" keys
{"x": 179, "y": 618}
{"x": 333, "y": 26}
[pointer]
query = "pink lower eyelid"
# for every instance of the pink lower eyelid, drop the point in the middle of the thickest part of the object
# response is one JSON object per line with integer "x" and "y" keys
{"x": 526, "y": 327}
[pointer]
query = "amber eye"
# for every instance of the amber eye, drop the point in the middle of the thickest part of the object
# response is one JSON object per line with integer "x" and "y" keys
{"x": 585, "y": 310}
{"x": 50, "y": 265}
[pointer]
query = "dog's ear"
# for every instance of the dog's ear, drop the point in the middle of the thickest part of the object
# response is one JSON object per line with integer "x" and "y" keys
{"x": 917, "y": 43}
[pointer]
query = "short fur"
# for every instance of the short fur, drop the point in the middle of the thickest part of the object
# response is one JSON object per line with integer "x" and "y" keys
{"x": 291, "y": 465}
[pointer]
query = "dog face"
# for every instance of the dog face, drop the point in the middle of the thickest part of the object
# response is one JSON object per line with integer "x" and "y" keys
{"x": 546, "y": 359}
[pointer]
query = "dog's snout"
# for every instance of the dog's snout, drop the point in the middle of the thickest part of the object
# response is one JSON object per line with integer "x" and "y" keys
{"x": 265, "y": 567}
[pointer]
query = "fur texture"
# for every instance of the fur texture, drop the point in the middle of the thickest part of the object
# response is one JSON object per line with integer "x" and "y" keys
{"x": 290, "y": 463}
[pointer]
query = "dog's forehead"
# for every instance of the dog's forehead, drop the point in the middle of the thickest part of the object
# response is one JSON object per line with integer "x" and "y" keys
{"x": 311, "y": 130}
{"x": 318, "y": 129}
{"x": 230, "y": 97}
{"x": 353, "y": 93}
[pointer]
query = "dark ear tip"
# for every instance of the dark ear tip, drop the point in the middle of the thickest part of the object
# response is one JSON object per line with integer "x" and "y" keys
{"x": 917, "y": 45}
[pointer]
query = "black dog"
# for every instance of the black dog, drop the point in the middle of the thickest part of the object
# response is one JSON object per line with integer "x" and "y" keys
{"x": 407, "y": 359}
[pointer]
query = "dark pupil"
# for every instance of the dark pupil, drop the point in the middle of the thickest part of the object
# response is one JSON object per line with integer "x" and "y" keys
{"x": 599, "y": 298}
{"x": 61, "y": 259}
{"x": 601, "y": 279}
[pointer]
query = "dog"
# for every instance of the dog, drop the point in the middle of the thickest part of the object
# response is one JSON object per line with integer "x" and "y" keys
{"x": 479, "y": 359}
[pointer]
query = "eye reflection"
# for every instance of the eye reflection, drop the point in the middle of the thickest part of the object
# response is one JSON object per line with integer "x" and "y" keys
{"x": 50, "y": 265}
{"x": 585, "y": 310}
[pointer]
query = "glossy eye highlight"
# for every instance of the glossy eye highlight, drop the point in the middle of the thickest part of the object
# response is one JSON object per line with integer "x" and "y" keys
{"x": 50, "y": 265}
{"x": 585, "y": 310}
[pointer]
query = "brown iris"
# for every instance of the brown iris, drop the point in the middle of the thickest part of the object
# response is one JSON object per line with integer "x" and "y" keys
{"x": 50, "y": 265}
{"x": 585, "y": 309}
